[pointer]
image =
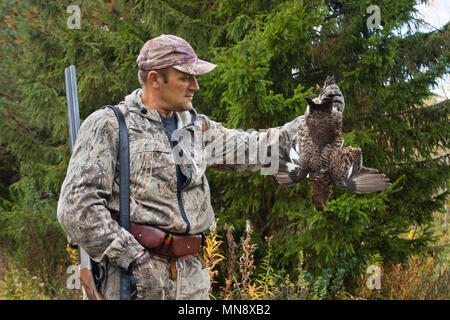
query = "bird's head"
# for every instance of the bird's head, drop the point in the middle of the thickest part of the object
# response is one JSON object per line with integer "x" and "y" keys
{"x": 321, "y": 190}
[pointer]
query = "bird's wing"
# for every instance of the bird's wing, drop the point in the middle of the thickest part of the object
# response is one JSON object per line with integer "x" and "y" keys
{"x": 365, "y": 183}
{"x": 291, "y": 165}
{"x": 348, "y": 173}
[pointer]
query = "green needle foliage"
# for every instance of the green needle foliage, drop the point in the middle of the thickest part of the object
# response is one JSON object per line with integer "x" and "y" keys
{"x": 270, "y": 55}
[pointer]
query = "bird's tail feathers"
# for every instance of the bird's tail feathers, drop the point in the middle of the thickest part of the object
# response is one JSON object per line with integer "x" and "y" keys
{"x": 370, "y": 182}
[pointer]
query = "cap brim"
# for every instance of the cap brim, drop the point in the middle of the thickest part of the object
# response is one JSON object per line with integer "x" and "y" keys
{"x": 196, "y": 68}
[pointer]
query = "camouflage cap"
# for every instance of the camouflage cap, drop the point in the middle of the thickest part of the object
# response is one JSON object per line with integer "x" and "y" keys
{"x": 171, "y": 51}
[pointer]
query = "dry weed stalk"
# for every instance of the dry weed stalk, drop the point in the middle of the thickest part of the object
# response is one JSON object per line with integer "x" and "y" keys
{"x": 73, "y": 254}
{"x": 268, "y": 277}
{"x": 302, "y": 285}
{"x": 211, "y": 253}
{"x": 231, "y": 274}
{"x": 246, "y": 262}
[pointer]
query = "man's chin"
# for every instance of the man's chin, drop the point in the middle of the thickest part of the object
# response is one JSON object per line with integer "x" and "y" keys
{"x": 182, "y": 107}
{"x": 186, "y": 107}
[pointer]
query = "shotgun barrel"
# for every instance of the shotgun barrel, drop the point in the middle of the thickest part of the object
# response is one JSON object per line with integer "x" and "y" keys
{"x": 73, "y": 112}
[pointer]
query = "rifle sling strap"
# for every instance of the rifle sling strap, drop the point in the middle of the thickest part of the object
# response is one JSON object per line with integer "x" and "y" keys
{"x": 124, "y": 168}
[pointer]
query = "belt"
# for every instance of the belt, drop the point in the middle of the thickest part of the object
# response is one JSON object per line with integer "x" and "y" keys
{"x": 161, "y": 243}
{"x": 174, "y": 247}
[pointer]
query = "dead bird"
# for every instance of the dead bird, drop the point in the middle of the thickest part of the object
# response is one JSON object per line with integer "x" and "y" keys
{"x": 318, "y": 152}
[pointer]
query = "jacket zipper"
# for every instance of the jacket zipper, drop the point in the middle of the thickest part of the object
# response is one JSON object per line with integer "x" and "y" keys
{"x": 178, "y": 172}
{"x": 180, "y": 202}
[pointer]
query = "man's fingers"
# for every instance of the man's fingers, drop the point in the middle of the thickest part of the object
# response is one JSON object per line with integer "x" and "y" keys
{"x": 332, "y": 87}
{"x": 338, "y": 99}
{"x": 332, "y": 92}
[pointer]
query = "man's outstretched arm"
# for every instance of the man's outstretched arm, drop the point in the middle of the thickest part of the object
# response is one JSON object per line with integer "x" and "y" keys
{"x": 249, "y": 151}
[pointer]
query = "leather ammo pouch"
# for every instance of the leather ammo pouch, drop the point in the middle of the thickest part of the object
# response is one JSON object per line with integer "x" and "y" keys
{"x": 163, "y": 243}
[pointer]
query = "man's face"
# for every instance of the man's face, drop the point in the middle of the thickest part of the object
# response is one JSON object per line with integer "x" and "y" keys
{"x": 178, "y": 92}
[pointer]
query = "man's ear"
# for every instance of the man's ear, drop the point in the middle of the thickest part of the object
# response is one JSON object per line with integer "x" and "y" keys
{"x": 153, "y": 79}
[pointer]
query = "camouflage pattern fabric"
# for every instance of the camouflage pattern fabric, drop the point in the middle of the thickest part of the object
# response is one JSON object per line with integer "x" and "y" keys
{"x": 171, "y": 51}
{"x": 91, "y": 187}
{"x": 193, "y": 281}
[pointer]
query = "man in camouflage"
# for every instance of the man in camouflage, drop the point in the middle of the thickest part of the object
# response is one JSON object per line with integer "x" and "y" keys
{"x": 171, "y": 146}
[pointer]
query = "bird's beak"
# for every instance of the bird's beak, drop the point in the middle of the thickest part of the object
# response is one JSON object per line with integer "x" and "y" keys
{"x": 320, "y": 203}
{"x": 320, "y": 206}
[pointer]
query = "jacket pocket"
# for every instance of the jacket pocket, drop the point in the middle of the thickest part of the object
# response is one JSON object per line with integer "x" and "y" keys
{"x": 151, "y": 162}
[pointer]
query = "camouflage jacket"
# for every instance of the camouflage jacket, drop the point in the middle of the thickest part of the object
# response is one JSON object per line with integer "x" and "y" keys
{"x": 91, "y": 187}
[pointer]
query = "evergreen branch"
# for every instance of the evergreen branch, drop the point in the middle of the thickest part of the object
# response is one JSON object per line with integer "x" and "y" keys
{"x": 8, "y": 96}
{"x": 332, "y": 16}
{"x": 416, "y": 111}
{"x": 421, "y": 161}
{"x": 31, "y": 133}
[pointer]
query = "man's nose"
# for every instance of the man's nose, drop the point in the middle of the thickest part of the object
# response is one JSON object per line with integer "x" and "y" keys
{"x": 193, "y": 84}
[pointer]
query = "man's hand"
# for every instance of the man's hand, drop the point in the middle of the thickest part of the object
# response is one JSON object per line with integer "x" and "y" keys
{"x": 332, "y": 91}
{"x": 141, "y": 269}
